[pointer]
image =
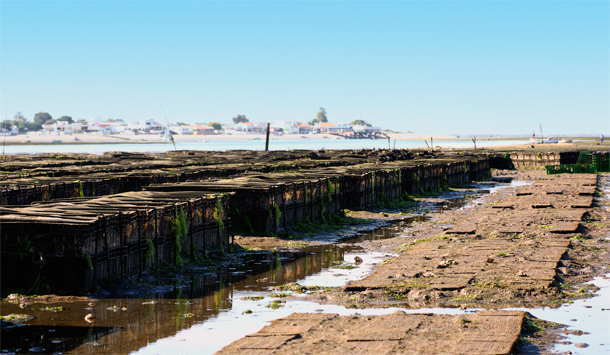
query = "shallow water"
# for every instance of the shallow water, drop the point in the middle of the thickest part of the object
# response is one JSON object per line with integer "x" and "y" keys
{"x": 222, "y": 145}
{"x": 589, "y": 315}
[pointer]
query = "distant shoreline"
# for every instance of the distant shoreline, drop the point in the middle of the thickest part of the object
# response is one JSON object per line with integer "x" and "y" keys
{"x": 95, "y": 138}
{"x": 100, "y": 139}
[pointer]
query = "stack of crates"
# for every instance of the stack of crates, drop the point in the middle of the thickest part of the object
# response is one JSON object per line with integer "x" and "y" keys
{"x": 587, "y": 162}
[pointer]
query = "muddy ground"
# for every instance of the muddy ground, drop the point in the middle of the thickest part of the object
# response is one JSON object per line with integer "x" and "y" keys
{"x": 396, "y": 333}
{"x": 520, "y": 247}
{"x": 489, "y": 257}
{"x": 467, "y": 258}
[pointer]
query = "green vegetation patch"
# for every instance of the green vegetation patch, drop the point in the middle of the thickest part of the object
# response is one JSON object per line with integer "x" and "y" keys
{"x": 150, "y": 250}
{"x": 252, "y": 298}
{"x": 296, "y": 288}
{"x": 345, "y": 266}
{"x": 306, "y": 228}
{"x": 52, "y": 309}
{"x": 180, "y": 233}
{"x": 403, "y": 202}
{"x": 276, "y": 304}
{"x": 490, "y": 284}
{"x": 397, "y": 295}
{"x": 16, "y": 318}
{"x": 218, "y": 210}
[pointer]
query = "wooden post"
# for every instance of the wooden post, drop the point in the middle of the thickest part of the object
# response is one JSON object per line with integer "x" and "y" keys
{"x": 267, "y": 140}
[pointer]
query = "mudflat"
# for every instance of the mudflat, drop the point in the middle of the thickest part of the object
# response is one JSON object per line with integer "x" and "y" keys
{"x": 485, "y": 332}
{"x": 527, "y": 246}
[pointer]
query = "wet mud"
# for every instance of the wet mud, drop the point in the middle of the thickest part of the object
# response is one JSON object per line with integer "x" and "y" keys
{"x": 481, "y": 333}
{"x": 509, "y": 252}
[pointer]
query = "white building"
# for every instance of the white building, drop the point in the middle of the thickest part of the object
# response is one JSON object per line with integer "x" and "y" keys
{"x": 304, "y": 128}
{"x": 249, "y": 128}
{"x": 6, "y": 132}
{"x": 143, "y": 125}
{"x": 329, "y": 127}
{"x": 202, "y": 130}
{"x": 63, "y": 126}
{"x": 182, "y": 130}
{"x": 289, "y": 127}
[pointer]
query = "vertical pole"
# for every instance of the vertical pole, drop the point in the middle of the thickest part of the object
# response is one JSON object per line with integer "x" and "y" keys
{"x": 267, "y": 140}
{"x": 141, "y": 260}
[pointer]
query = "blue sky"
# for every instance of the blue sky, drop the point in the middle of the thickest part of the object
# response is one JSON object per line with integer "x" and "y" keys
{"x": 445, "y": 67}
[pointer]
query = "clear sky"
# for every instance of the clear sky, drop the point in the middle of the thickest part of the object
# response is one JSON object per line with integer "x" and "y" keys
{"x": 445, "y": 67}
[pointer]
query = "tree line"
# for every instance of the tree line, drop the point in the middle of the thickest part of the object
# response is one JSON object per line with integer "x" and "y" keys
{"x": 23, "y": 125}
{"x": 321, "y": 117}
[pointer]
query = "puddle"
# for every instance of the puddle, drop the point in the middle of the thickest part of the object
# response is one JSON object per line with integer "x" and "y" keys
{"x": 215, "y": 309}
{"x": 487, "y": 189}
{"x": 589, "y": 315}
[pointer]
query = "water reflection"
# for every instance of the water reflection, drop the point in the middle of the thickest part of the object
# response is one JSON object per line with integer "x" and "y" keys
{"x": 145, "y": 321}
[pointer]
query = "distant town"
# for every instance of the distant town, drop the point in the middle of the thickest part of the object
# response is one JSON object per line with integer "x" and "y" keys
{"x": 44, "y": 124}
{"x": 45, "y": 127}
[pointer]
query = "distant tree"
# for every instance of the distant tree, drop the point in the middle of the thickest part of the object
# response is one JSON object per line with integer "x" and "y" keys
{"x": 217, "y": 126}
{"x": 82, "y": 121}
{"x": 29, "y": 126}
{"x": 239, "y": 119}
{"x": 66, "y": 118}
{"x": 42, "y": 117}
{"x": 360, "y": 123}
{"x": 181, "y": 124}
{"x": 320, "y": 117}
{"x": 51, "y": 121}
{"x": 21, "y": 123}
